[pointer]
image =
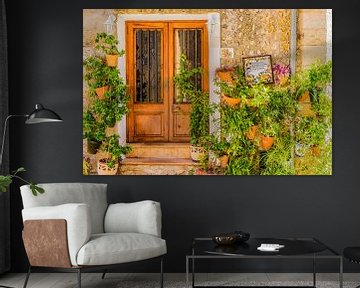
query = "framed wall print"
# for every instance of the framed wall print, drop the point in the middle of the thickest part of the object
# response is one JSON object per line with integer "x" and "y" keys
{"x": 258, "y": 69}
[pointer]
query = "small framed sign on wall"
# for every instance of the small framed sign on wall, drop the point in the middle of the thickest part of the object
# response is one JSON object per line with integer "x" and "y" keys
{"x": 258, "y": 69}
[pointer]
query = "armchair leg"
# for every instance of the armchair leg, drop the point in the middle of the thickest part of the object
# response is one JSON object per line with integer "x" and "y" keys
{"x": 79, "y": 277}
{"x": 103, "y": 275}
{"x": 161, "y": 273}
{"x": 27, "y": 277}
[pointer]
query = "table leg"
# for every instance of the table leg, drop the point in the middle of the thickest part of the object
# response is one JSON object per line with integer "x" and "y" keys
{"x": 341, "y": 273}
{"x": 187, "y": 272}
{"x": 314, "y": 271}
{"x": 193, "y": 272}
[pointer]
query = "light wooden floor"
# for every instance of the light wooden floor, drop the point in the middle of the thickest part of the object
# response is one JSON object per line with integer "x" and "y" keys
{"x": 117, "y": 280}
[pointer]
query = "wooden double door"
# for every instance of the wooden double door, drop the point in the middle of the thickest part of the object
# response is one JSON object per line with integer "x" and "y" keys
{"x": 153, "y": 52}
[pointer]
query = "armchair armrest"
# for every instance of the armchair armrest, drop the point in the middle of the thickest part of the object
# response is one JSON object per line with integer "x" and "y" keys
{"x": 77, "y": 219}
{"x": 138, "y": 217}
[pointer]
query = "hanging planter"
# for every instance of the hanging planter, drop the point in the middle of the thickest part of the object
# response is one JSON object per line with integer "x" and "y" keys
{"x": 100, "y": 92}
{"x": 305, "y": 107}
{"x": 112, "y": 60}
{"x": 225, "y": 74}
{"x": 251, "y": 134}
{"x": 229, "y": 101}
{"x": 107, "y": 44}
{"x": 224, "y": 161}
{"x": 104, "y": 169}
{"x": 266, "y": 142}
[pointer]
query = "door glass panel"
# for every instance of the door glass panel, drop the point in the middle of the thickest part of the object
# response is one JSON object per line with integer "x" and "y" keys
{"x": 148, "y": 66}
{"x": 188, "y": 42}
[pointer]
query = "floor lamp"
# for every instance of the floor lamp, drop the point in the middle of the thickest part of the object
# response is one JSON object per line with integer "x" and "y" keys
{"x": 39, "y": 115}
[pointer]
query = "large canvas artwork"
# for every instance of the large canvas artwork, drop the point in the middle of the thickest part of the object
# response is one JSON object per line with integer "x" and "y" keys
{"x": 207, "y": 92}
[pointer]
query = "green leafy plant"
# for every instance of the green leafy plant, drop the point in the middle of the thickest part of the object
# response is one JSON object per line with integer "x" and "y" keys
{"x": 110, "y": 110}
{"x": 107, "y": 43}
{"x": 278, "y": 160}
{"x": 185, "y": 80}
{"x": 201, "y": 109}
{"x": 217, "y": 145}
{"x": 314, "y": 80}
{"x": 116, "y": 83}
{"x": 96, "y": 73}
{"x": 114, "y": 150}
{"x": 6, "y": 180}
{"x": 269, "y": 126}
{"x": 92, "y": 129}
{"x": 310, "y": 131}
{"x": 275, "y": 111}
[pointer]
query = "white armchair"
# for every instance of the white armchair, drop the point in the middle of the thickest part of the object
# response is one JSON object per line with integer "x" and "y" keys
{"x": 72, "y": 228}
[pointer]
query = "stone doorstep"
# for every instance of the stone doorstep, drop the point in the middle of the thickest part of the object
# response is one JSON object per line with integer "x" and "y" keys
{"x": 156, "y": 166}
{"x": 160, "y": 150}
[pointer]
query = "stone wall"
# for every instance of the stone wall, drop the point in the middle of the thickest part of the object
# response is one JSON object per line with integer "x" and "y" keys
{"x": 244, "y": 32}
{"x": 311, "y": 38}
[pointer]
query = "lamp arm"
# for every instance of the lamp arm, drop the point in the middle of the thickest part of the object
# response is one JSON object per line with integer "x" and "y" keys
{"x": 4, "y": 134}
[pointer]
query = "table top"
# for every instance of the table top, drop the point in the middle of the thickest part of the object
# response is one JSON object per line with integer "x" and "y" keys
{"x": 293, "y": 247}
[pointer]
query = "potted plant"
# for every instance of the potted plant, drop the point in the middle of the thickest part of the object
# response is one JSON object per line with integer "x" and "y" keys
{"x": 96, "y": 76}
{"x": 240, "y": 92}
{"x": 268, "y": 130}
{"x": 201, "y": 111}
{"x": 228, "y": 91}
{"x": 107, "y": 43}
{"x": 200, "y": 105}
{"x": 252, "y": 132}
{"x": 309, "y": 84}
{"x": 220, "y": 149}
{"x": 93, "y": 131}
{"x": 114, "y": 152}
{"x": 311, "y": 133}
{"x": 281, "y": 74}
{"x": 225, "y": 74}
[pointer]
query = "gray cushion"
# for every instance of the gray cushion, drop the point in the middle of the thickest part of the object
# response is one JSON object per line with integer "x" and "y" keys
{"x": 94, "y": 195}
{"x": 138, "y": 217}
{"x": 112, "y": 248}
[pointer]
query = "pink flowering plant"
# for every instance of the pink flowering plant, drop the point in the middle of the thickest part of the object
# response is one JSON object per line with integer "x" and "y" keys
{"x": 281, "y": 73}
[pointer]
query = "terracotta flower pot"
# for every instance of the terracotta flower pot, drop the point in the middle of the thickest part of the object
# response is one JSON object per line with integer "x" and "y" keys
{"x": 305, "y": 107}
{"x": 224, "y": 160}
{"x": 112, "y": 60}
{"x": 232, "y": 102}
{"x": 315, "y": 150}
{"x": 104, "y": 169}
{"x": 196, "y": 153}
{"x": 100, "y": 92}
{"x": 225, "y": 76}
{"x": 305, "y": 97}
{"x": 251, "y": 134}
{"x": 266, "y": 142}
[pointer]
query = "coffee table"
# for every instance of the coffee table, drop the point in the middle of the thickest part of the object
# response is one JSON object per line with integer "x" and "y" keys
{"x": 294, "y": 248}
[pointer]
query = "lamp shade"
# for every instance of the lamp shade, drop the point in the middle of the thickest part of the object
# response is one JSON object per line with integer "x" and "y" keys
{"x": 42, "y": 115}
